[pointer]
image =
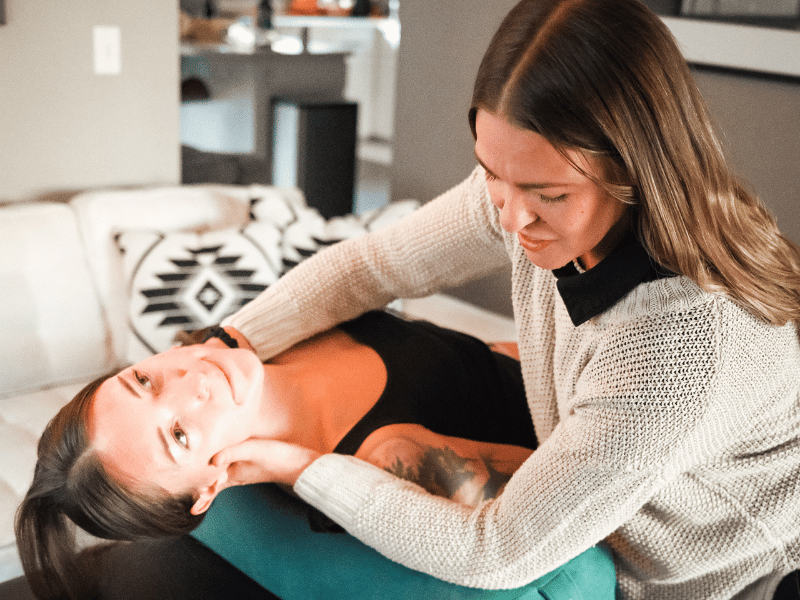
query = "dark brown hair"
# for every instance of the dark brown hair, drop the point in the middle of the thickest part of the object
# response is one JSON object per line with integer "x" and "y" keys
{"x": 606, "y": 77}
{"x": 71, "y": 487}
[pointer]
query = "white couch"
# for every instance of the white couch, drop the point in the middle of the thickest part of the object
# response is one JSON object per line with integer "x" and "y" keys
{"x": 65, "y": 303}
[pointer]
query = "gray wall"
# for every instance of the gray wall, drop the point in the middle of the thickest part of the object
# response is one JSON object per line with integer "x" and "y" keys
{"x": 758, "y": 120}
{"x": 65, "y": 128}
{"x": 441, "y": 47}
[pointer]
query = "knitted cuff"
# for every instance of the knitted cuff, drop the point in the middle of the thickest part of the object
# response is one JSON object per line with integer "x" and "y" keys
{"x": 339, "y": 485}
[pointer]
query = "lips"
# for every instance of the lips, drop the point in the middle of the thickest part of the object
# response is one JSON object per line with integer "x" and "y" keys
{"x": 533, "y": 245}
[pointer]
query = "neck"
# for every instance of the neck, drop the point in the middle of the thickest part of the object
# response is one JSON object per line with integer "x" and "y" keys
{"x": 316, "y": 391}
{"x": 608, "y": 243}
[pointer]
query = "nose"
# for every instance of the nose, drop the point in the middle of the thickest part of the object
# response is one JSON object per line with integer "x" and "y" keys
{"x": 194, "y": 385}
{"x": 515, "y": 212}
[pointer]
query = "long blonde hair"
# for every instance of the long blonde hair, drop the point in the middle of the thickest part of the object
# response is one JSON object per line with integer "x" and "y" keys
{"x": 606, "y": 77}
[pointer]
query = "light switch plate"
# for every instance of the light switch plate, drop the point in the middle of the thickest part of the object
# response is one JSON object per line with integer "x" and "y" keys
{"x": 107, "y": 50}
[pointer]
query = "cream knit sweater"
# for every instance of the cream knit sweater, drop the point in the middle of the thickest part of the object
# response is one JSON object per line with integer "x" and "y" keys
{"x": 669, "y": 425}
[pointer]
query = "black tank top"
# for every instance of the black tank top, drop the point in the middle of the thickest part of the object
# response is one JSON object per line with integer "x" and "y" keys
{"x": 444, "y": 380}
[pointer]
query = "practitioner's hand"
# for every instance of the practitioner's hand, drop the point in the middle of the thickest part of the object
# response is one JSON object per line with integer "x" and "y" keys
{"x": 188, "y": 338}
{"x": 259, "y": 460}
{"x": 237, "y": 335}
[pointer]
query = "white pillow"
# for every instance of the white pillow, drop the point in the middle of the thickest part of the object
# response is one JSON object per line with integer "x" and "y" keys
{"x": 180, "y": 281}
{"x": 52, "y": 328}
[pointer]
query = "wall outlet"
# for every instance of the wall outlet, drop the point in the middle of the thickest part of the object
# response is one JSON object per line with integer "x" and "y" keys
{"x": 107, "y": 50}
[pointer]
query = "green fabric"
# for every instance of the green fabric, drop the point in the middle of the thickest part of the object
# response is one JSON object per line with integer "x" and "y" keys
{"x": 264, "y": 532}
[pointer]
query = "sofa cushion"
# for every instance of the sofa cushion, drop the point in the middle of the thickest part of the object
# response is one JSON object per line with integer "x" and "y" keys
{"x": 53, "y": 328}
{"x": 22, "y": 420}
{"x": 102, "y": 214}
{"x": 183, "y": 281}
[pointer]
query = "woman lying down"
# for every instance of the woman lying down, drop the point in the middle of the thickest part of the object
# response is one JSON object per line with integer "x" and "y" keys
{"x": 137, "y": 454}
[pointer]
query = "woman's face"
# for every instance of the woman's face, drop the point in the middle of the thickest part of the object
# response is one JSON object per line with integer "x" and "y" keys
{"x": 160, "y": 421}
{"x": 557, "y": 213}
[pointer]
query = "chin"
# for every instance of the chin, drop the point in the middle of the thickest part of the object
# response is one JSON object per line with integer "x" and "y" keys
{"x": 253, "y": 375}
{"x": 548, "y": 263}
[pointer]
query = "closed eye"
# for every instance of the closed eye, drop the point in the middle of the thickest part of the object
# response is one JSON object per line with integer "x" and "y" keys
{"x": 490, "y": 177}
{"x": 550, "y": 199}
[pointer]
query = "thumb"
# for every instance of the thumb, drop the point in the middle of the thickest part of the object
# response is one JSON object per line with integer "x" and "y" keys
{"x": 215, "y": 343}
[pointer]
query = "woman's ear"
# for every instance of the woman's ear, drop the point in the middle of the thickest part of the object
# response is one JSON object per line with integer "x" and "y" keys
{"x": 208, "y": 493}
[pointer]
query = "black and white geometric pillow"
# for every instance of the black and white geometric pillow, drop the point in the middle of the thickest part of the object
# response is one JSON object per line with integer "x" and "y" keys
{"x": 182, "y": 281}
{"x": 304, "y": 231}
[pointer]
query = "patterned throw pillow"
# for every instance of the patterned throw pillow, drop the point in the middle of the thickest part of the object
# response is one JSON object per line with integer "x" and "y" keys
{"x": 185, "y": 281}
{"x": 304, "y": 231}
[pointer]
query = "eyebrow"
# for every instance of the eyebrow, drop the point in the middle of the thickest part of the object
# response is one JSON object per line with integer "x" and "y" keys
{"x": 161, "y": 436}
{"x": 524, "y": 186}
{"x": 129, "y": 387}
{"x": 165, "y": 443}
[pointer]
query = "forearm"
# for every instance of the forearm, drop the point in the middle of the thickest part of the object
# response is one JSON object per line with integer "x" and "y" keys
{"x": 541, "y": 520}
{"x": 445, "y": 243}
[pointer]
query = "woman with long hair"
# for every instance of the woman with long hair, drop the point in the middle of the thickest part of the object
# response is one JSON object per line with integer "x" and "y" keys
{"x": 130, "y": 457}
{"x": 657, "y": 306}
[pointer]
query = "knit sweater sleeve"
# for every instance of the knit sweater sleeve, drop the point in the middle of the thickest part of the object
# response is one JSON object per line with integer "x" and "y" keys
{"x": 451, "y": 240}
{"x": 554, "y": 508}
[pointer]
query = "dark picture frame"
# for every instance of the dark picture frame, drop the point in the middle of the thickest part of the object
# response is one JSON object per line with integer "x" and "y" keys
{"x": 2, "y": 12}
{"x": 769, "y": 13}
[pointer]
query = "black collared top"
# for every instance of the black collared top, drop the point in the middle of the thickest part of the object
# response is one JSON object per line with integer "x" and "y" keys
{"x": 588, "y": 294}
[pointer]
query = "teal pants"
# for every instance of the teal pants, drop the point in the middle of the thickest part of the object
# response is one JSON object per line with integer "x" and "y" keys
{"x": 264, "y": 532}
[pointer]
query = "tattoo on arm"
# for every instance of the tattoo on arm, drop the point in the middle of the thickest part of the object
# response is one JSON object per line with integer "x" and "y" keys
{"x": 443, "y": 472}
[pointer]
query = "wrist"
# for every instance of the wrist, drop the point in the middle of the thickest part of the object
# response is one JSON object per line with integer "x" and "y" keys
{"x": 237, "y": 335}
{"x": 304, "y": 460}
